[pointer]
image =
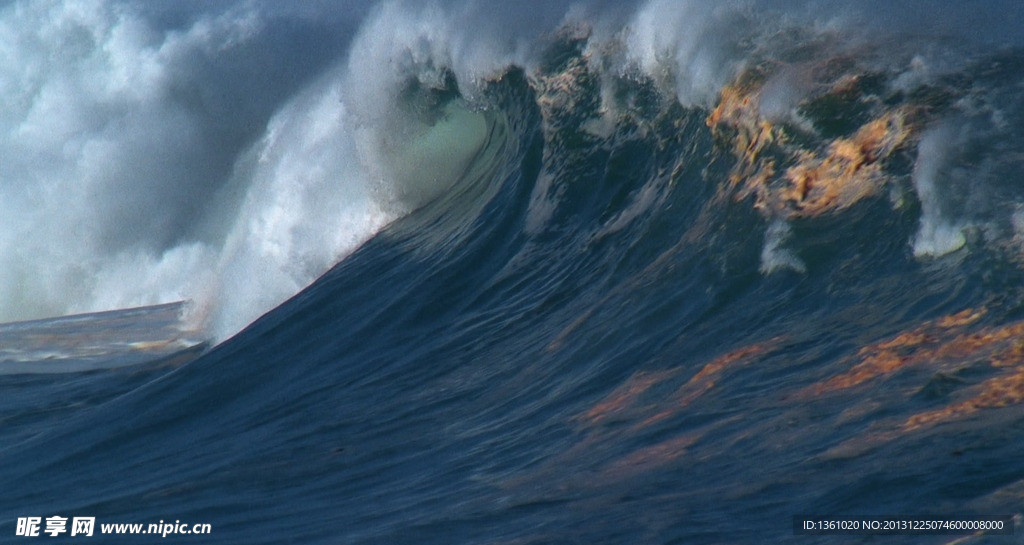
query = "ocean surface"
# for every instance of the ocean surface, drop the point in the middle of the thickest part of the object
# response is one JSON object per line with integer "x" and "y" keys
{"x": 530, "y": 273}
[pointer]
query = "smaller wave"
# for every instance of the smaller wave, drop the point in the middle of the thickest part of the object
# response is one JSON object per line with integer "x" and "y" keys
{"x": 102, "y": 340}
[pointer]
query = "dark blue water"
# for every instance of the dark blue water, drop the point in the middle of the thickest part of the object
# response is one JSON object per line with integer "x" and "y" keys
{"x": 645, "y": 322}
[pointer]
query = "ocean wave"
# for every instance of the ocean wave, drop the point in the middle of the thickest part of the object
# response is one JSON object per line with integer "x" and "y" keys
{"x": 556, "y": 272}
{"x": 148, "y": 171}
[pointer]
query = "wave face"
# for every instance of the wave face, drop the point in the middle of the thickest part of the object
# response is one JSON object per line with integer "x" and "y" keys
{"x": 671, "y": 272}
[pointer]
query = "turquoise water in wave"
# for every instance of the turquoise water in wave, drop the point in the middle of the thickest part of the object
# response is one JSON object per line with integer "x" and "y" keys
{"x": 591, "y": 300}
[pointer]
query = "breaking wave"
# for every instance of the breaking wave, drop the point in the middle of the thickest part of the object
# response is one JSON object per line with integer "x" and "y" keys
{"x": 554, "y": 272}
